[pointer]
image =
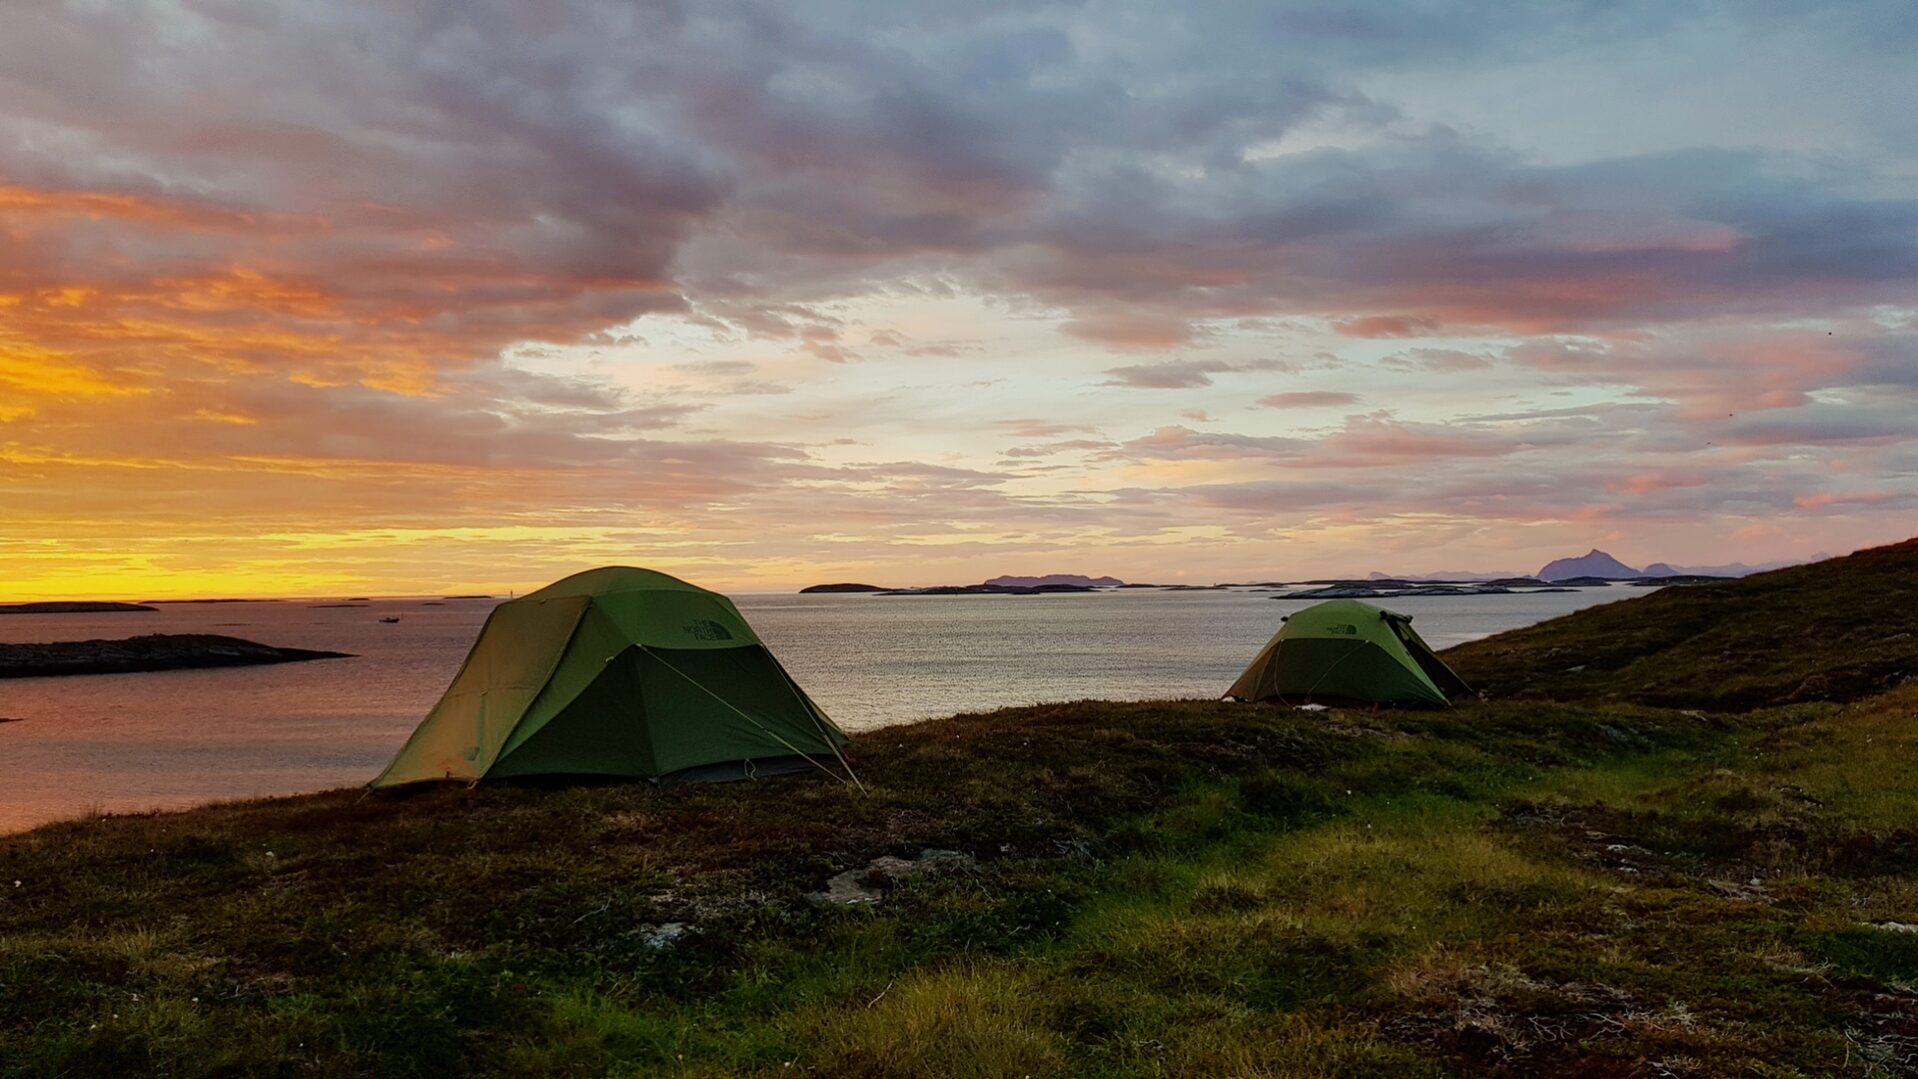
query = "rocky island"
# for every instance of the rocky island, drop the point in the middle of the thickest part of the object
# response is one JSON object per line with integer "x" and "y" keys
{"x": 72, "y": 607}
{"x": 997, "y": 586}
{"x": 152, "y": 652}
{"x": 1077, "y": 580}
{"x": 1388, "y": 588}
{"x": 987, "y": 589}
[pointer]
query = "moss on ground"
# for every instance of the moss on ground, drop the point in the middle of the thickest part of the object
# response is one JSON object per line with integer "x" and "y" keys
{"x": 1576, "y": 887}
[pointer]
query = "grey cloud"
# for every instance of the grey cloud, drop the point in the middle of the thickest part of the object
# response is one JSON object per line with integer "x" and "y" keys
{"x": 1438, "y": 360}
{"x": 1107, "y": 160}
{"x": 1308, "y": 399}
{"x": 1184, "y": 374}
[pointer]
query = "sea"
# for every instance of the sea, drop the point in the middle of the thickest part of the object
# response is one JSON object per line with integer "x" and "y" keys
{"x": 93, "y": 745}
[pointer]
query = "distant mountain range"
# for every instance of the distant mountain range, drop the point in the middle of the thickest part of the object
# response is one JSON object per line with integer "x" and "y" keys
{"x": 1596, "y": 563}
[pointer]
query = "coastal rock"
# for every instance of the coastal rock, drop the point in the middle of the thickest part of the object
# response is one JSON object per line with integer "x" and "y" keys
{"x": 153, "y": 652}
{"x": 1359, "y": 591}
{"x": 840, "y": 587}
{"x": 218, "y": 600}
{"x": 984, "y": 590}
{"x": 1336, "y": 591}
{"x": 1077, "y": 579}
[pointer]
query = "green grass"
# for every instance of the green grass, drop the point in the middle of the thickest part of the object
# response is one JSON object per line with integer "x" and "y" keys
{"x": 1522, "y": 887}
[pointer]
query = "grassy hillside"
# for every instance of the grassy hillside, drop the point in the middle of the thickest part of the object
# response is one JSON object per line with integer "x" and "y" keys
{"x": 1517, "y": 887}
{"x": 1836, "y": 630}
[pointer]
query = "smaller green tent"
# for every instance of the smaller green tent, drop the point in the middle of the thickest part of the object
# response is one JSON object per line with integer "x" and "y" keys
{"x": 618, "y": 672}
{"x": 1346, "y": 651}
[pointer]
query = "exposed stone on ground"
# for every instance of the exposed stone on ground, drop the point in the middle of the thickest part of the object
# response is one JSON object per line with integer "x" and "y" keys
{"x": 1752, "y": 891}
{"x": 868, "y": 884}
{"x": 667, "y": 934}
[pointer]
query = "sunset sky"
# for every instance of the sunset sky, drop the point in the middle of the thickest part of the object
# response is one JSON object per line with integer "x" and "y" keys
{"x": 405, "y": 297}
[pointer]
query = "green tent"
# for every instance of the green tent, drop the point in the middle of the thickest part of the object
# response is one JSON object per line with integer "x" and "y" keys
{"x": 1344, "y": 650}
{"x": 621, "y": 672}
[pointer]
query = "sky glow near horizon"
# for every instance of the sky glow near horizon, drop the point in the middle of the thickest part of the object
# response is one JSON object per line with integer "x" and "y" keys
{"x": 414, "y": 298}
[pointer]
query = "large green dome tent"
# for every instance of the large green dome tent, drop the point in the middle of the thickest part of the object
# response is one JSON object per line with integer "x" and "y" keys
{"x": 1346, "y": 651}
{"x": 618, "y": 672}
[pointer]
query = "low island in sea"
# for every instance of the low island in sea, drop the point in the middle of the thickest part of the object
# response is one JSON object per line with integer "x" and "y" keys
{"x": 1593, "y": 570}
{"x": 73, "y": 607}
{"x": 997, "y": 586}
{"x": 151, "y": 652}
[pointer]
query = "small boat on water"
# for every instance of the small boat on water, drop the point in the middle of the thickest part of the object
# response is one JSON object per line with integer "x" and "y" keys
{"x": 391, "y": 618}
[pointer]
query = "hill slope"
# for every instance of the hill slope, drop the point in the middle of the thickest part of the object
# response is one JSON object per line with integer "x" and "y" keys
{"x": 1829, "y": 631}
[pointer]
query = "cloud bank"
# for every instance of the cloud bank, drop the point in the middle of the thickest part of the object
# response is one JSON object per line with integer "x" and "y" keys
{"x": 296, "y": 296}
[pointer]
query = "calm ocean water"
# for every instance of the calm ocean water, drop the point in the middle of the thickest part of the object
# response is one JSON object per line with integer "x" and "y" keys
{"x": 132, "y": 742}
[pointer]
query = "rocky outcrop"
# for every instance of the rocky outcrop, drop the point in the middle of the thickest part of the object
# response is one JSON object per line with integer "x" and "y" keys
{"x": 1356, "y": 591}
{"x": 72, "y": 607}
{"x": 1050, "y": 579}
{"x": 984, "y": 590}
{"x": 153, "y": 652}
{"x": 846, "y": 586}
{"x": 868, "y": 884}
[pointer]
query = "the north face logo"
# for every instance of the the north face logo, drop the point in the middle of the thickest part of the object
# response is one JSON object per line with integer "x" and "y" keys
{"x": 705, "y": 629}
{"x": 1343, "y": 628}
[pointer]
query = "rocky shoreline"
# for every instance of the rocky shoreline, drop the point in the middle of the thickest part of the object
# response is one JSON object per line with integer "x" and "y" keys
{"x": 153, "y": 652}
